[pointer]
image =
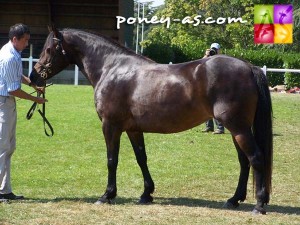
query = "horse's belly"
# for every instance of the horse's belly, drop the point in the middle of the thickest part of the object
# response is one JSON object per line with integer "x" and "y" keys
{"x": 169, "y": 122}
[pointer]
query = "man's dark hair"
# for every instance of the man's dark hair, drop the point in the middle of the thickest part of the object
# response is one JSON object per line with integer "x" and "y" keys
{"x": 18, "y": 30}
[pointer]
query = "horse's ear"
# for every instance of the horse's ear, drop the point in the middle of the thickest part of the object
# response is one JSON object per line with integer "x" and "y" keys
{"x": 49, "y": 28}
{"x": 53, "y": 29}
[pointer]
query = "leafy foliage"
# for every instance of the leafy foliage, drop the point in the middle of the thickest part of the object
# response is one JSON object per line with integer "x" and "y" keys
{"x": 185, "y": 42}
{"x": 292, "y": 62}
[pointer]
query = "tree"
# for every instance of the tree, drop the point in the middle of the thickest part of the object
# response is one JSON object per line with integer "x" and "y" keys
{"x": 189, "y": 41}
{"x": 141, "y": 10}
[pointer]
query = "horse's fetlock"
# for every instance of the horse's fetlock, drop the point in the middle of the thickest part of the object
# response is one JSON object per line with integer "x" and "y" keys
{"x": 263, "y": 196}
{"x": 149, "y": 187}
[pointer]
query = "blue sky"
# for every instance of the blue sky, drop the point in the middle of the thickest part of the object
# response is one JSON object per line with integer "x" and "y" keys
{"x": 158, "y": 2}
{"x": 155, "y": 2}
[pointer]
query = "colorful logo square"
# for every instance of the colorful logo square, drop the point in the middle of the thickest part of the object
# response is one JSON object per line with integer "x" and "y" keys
{"x": 264, "y": 33}
{"x": 273, "y": 24}
{"x": 263, "y": 14}
{"x": 283, "y": 14}
{"x": 283, "y": 34}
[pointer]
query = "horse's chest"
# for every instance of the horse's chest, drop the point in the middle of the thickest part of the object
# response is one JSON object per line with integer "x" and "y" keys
{"x": 111, "y": 103}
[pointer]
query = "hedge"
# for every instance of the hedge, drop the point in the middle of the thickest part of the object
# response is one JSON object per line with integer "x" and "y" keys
{"x": 292, "y": 79}
{"x": 271, "y": 58}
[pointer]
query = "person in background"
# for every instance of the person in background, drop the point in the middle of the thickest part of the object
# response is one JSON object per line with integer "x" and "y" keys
{"x": 214, "y": 49}
{"x": 11, "y": 77}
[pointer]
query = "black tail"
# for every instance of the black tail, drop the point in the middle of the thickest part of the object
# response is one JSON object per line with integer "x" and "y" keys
{"x": 262, "y": 127}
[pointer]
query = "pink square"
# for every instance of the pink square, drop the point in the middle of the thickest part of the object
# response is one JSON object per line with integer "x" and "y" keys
{"x": 263, "y": 33}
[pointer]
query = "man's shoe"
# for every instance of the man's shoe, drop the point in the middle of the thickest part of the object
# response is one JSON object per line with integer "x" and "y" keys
{"x": 11, "y": 196}
{"x": 218, "y": 132}
{"x": 206, "y": 130}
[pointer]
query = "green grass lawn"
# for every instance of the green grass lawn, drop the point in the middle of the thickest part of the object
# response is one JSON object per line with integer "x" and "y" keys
{"x": 194, "y": 172}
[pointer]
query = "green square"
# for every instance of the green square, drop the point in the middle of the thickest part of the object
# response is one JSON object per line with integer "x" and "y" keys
{"x": 263, "y": 14}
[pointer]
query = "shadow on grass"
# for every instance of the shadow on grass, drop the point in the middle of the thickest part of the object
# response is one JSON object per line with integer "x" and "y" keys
{"x": 188, "y": 202}
{"x": 219, "y": 205}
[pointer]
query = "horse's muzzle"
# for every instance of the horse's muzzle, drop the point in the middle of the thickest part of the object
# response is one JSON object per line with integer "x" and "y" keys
{"x": 36, "y": 79}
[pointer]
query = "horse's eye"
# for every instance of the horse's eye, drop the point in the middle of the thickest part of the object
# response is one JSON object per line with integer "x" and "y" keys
{"x": 48, "y": 50}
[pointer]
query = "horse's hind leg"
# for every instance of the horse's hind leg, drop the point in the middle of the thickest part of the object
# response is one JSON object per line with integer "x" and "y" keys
{"x": 246, "y": 143}
{"x": 241, "y": 190}
{"x": 112, "y": 136}
{"x": 137, "y": 141}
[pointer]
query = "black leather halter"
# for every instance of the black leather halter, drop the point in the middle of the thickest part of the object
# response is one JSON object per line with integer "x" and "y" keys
{"x": 42, "y": 113}
{"x": 47, "y": 67}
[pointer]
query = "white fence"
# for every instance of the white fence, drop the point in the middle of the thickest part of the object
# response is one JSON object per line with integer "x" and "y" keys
{"x": 30, "y": 60}
{"x": 265, "y": 69}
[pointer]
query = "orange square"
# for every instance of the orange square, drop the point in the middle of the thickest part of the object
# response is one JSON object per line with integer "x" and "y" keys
{"x": 283, "y": 33}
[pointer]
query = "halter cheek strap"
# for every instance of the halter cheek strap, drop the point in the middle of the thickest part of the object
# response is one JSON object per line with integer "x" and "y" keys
{"x": 60, "y": 45}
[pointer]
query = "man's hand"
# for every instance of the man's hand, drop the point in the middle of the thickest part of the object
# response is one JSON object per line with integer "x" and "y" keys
{"x": 39, "y": 89}
{"x": 207, "y": 52}
{"x": 40, "y": 100}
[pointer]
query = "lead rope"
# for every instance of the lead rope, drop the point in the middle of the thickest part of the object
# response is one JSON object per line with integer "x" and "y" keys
{"x": 43, "y": 115}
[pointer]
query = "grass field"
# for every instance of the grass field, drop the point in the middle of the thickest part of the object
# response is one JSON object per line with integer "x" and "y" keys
{"x": 194, "y": 173}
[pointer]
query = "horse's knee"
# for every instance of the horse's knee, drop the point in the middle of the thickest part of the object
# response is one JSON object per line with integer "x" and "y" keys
{"x": 112, "y": 164}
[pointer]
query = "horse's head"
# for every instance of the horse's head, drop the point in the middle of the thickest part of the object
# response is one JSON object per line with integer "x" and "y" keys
{"x": 52, "y": 60}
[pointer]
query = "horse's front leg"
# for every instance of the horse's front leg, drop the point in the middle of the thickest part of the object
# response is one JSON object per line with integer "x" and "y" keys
{"x": 112, "y": 136}
{"x": 137, "y": 142}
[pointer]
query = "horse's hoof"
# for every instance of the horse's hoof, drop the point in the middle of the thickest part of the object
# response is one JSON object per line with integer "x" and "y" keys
{"x": 102, "y": 201}
{"x": 258, "y": 211}
{"x": 230, "y": 205}
{"x": 145, "y": 200}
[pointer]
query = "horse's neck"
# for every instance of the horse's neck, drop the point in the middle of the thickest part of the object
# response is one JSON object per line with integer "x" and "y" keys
{"x": 97, "y": 58}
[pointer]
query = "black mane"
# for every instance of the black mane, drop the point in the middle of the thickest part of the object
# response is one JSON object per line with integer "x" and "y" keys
{"x": 103, "y": 40}
{"x": 48, "y": 43}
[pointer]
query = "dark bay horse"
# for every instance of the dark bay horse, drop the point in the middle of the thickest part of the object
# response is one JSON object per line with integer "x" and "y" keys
{"x": 134, "y": 94}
